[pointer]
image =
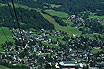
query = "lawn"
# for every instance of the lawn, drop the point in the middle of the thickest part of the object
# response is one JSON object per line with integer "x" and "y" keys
{"x": 7, "y": 33}
{"x": 44, "y": 55}
{"x": 16, "y": 5}
{"x": 55, "y": 6}
{"x": 102, "y": 23}
{"x": 25, "y": 7}
{"x": 96, "y": 50}
{"x": 92, "y": 35}
{"x": 3, "y": 67}
{"x": 3, "y": 4}
{"x": 20, "y": 6}
{"x": 100, "y": 17}
{"x": 50, "y": 45}
{"x": 57, "y": 13}
{"x": 92, "y": 15}
{"x": 1, "y": 49}
{"x": 54, "y": 38}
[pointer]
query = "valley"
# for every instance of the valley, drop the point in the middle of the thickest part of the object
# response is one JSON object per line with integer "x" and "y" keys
{"x": 52, "y": 31}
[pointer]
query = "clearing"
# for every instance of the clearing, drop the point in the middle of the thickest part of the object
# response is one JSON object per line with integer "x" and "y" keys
{"x": 7, "y": 33}
{"x": 71, "y": 30}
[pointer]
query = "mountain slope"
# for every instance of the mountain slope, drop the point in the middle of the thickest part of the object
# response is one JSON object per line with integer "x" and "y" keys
{"x": 31, "y": 18}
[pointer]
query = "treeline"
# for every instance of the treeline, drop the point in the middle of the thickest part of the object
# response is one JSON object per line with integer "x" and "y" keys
{"x": 28, "y": 18}
{"x": 59, "y": 21}
{"x": 77, "y": 6}
{"x": 31, "y": 3}
{"x": 100, "y": 13}
{"x": 95, "y": 26}
{"x": 92, "y": 26}
{"x": 71, "y": 6}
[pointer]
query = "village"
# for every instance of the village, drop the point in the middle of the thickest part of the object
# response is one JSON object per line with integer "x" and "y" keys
{"x": 52, "y": 34}
{"x": 45, "y": 49}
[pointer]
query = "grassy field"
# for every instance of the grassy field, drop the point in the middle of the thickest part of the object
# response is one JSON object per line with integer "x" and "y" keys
{"x": 2, "y": 36}
{"x": 100, "y": 17}
{"x": 8, "y": 34}
{"x": 16, "y": 5}
{"x": 57, "y": 13}
{"x": 3, "y": 4}
{"x": 71, "y": 30}
{"x": 92, "y": 15}
{"x": 51, "y": 46}
{"x": 55, "y": 6}
{"x": 92, "y": 35}
{"x": 20, "y": 6}
{"x": 1, "y": 50}
{"x": 96, "y": 50}
{"x": 44, "y": 55}
{"x": 3, "y": 67}
{"x": 102, "y": 23}
{"x": 54, "y": 38}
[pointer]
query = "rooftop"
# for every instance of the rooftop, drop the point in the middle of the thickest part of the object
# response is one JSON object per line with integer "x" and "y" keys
{"x": 67, "y": 63}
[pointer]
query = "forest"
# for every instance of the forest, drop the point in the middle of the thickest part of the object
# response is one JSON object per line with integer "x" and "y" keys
{"x": 27, "y": 18}
{"x": 69, "y": 6}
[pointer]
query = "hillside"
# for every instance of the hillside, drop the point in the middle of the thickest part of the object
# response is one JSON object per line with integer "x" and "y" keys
{"x": 52, "y": 31}
{"x": 31, "y": 18}
{"x": 4, "y": 31}
{"x": 3, "y": 67}
{"x": 69, "y": 29}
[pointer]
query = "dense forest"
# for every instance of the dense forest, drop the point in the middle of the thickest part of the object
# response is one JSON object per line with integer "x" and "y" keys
{"x": 60, "y": 21}
{"x": 69, "y": 6}
{"x": 27, "y": 18}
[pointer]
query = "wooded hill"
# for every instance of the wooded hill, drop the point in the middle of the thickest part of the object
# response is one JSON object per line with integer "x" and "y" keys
{"x": 27, "y": 18}
{"x": 69, "y": 6}
{"x": 33, "y": 19}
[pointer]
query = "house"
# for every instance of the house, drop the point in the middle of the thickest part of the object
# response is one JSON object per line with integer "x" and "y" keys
{"x": 67, "y": 65}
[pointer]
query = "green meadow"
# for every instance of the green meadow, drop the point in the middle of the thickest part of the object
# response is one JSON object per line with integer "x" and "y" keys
{"x": 71, "y": 30}
{"x": 3, "y": 4}
{"x": 92, "y": 15}
{"x": 100, "y": 17}
{"x": 7, "y": 33}
{"x": 50, "y": 45}
{"x": 55, "y": 6}
{"x": 4, "y": 36}
{"x": 92, "y": 35}
{"x": 96, "y": 50}
{"x": 57, "y": 13}
{"x": 3, "y": 67}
